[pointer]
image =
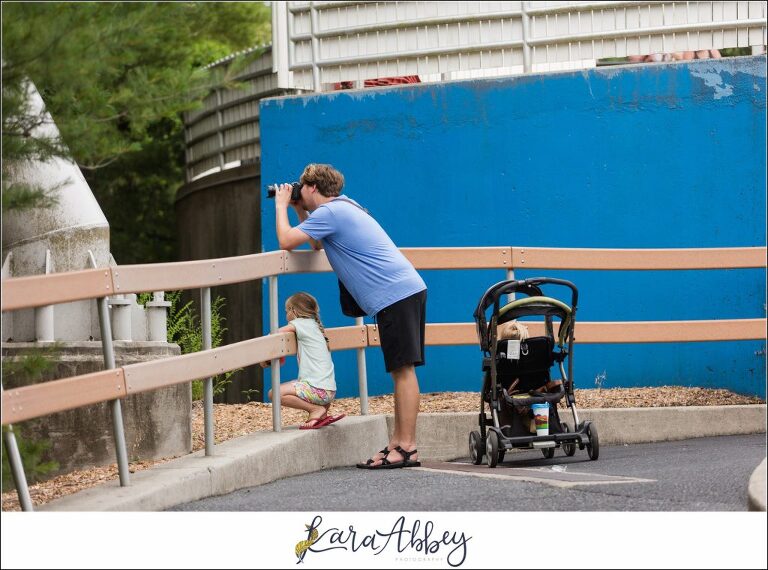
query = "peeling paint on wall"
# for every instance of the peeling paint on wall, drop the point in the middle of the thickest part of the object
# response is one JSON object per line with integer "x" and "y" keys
{"x": 715, "y": 81}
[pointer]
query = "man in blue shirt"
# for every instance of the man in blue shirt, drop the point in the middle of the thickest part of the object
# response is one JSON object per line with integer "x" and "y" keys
{"x": 381, "y": 280}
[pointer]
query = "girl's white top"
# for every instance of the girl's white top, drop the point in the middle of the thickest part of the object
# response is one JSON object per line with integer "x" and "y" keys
{"x": 315, "y": 364}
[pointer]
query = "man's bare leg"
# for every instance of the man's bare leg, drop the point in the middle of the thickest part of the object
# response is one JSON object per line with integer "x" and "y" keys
{"x": 406, "y": 411}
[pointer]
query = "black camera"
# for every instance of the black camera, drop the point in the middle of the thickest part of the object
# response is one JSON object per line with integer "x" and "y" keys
{"x": 295, "y": 191}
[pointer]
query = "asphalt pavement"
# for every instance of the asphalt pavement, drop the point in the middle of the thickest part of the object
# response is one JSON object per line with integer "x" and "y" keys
{"x": 701, "y": 474}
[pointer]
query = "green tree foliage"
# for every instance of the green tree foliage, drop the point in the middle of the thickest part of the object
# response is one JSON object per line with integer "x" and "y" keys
{"x": 35, "y": 466}
{"x": 29, "y": 369}
{"x": 115, "y": 78}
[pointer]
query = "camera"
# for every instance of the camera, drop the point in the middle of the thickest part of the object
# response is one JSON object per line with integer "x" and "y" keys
{"x": 295, "y": 191}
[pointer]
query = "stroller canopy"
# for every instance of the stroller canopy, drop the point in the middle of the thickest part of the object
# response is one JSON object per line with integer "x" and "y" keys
{"x": 538, "y": 305}
{"x": 534, "y": 304}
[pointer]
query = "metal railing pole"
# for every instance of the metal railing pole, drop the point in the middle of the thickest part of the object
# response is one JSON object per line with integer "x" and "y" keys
{"x": 362, "y": 375}
{"x": 17, "y": 468}
{"x": 510, "y": 277}
{"x": 205, "y": 319}
{"x": 273, "y": 326}
{"x": 107, "y": 348}
{"x": 117, "y": 412}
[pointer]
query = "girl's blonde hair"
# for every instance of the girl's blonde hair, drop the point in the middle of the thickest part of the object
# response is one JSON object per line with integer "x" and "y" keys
{"x": 304, "y": 305}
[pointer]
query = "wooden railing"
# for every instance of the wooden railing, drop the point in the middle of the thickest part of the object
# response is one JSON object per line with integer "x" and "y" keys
{"x": 20, "y": 404}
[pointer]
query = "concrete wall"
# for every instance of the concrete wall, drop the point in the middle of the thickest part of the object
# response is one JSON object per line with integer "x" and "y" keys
{"x": 218, "y": 216}
{"x": 643, "y": 156}
{"x": 157, "y": 423}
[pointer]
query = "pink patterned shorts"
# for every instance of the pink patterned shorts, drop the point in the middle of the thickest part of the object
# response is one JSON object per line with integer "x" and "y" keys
{"x": 309, "y": 393}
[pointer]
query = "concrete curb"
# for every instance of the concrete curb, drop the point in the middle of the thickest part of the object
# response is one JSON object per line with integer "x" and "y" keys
{"x": 263, "y": 457}
{"x": 757, "y": 490}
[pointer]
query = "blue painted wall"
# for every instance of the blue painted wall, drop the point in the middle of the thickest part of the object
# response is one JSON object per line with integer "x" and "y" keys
{"x": 645, "y": 156}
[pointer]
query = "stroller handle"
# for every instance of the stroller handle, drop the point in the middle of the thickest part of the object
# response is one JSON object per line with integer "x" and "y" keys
{"x": 530, "y": 287}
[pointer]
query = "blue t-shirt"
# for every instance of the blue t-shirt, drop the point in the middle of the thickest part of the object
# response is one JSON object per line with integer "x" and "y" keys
{"x": 362, "y": 254}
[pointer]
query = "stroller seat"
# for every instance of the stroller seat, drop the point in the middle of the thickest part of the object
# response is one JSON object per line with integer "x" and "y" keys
{"x": 529, "y": 369}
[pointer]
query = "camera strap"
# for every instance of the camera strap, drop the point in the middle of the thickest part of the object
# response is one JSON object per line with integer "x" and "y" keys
{"x": 350, "y": 201}
{"x": 349, "y": 305}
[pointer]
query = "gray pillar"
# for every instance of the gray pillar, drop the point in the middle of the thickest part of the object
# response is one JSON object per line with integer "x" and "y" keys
{"x": 527, "y": 65}
{"x": 44, "y": 330}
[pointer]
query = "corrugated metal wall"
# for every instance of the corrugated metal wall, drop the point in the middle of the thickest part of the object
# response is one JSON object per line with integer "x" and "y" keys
{"x": 646, "y": 156}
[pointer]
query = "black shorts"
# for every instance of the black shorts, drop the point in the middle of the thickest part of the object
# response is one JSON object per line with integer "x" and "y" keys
{"x": 401, "y": 331}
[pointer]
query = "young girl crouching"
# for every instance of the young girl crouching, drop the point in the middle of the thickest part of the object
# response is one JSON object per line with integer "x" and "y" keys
{"x": 315, "y": 388}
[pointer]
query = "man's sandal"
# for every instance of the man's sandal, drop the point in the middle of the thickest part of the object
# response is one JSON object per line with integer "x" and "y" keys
{"x": 406, "y": 461}
{"x": 367, "y": 464}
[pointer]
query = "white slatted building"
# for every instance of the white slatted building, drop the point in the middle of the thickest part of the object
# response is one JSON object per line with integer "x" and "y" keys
{"x": 319, "y": 44}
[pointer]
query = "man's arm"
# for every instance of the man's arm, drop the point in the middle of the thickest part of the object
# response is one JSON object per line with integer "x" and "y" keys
{"x": 287, "y": 237}
{"x": 302, "y": 214}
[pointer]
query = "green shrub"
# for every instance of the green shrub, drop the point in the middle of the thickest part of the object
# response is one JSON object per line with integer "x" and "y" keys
{"x": 185, "y": 329}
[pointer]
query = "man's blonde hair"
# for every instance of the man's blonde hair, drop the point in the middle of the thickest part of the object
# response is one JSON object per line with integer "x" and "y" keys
{"x": 328, "y": 180}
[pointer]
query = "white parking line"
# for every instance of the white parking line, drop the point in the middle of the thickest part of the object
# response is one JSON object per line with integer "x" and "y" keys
{"x": 545, "y": 475}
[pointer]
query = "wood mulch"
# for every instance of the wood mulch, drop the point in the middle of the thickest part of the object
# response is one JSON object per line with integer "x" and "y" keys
{"x": 235, "y": 420}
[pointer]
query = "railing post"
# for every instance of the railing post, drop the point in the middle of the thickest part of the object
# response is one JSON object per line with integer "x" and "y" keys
{"x": 117, "y": 411}
{"x": 362, "y": 375}
{"x": 205, "y": 312}
{"x": 526, "y": 37}
{"x": 273, "y": 326}
{"x": 17, "y": 468}
{"x": 510, "y": 277}
{"x": 109, "y": 363}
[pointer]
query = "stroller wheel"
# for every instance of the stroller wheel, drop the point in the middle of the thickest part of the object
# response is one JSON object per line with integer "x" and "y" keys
{"x": 476, "y": 447}
{"x": 593, "y": 447}
{"x": 568, "y": 448}
{"x": 492, "y": 449}
{"x": 548, "y": 452}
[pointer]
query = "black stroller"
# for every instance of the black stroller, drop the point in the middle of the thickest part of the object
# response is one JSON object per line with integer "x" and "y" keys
{"x": 516, "y": 375}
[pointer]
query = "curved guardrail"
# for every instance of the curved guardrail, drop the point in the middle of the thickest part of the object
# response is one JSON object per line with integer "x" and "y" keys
{"x": 113, "y": 384}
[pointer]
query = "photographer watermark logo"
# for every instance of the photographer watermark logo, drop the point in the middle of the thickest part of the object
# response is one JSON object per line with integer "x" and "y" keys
{"x": 303, "y": 546}
{"x": 417, "y": 539}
